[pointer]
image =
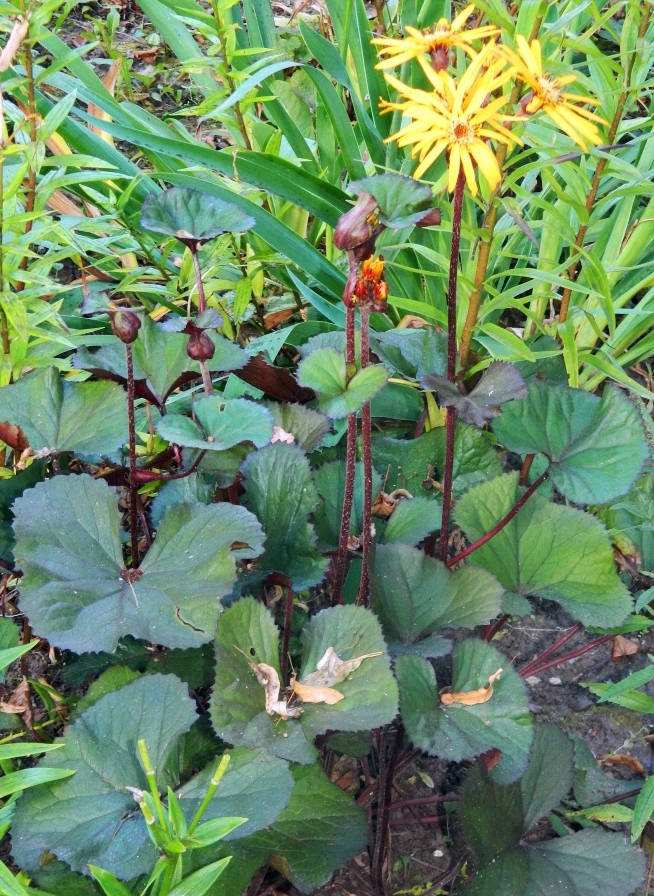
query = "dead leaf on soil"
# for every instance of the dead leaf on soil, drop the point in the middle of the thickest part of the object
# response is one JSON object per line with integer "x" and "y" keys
{"x": 20, "y": 703}
{"x": 470, "y": 698}
{"x": 628, "y": 761}
{"x": 331, "y": 669}
{"x": 623, "y": 647}
{"x": 384, "y": 505}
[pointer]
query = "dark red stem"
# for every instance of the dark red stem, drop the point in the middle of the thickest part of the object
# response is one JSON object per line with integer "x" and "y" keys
{"x": 502, "y": 523}
{"x": 425, "y": 801}
{"x": 387, "y": 766}
{"x": 494, "y": 627}
{"x": 351, "y": 449}
{"x": 565, "y": 637}
{"x": 451, "y": 365}
{"x": 288, "y": 612}
{"x": 202, "y": 304}
{"x": 366, "y": 537}
{"x": 570, "y": 656}
{"x": 133, "y": 487}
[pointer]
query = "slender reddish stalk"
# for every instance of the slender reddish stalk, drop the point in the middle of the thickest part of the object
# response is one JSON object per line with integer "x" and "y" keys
{"x": 351, "y": 445}
{"x": 387, "y": 766}
{"x": 502, "y": 523}
{"x": 526, "y": 670}
{"x": 288, "y": 612}
{"x": 569, "y": 656}
{"x": 366, "y": 538}
{"x": 202, "y": 306}
{"x": 493, "y": 628}
{"x": 451, "y": 364}
{"x": 133, "y": 487}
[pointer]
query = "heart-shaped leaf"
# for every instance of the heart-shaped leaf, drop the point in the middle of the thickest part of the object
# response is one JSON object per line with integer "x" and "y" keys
{"x": 281, "y": 494}
{"x": 499, "y": 383}
{"x": 596, "y": 446}
{"x": 87, "y": 418}
{"x": 417, "y": 464}
{"x": 413, "y": 353}
{"x": 589, "y": 863}
{"x": 548, "y": 550}
{"x": 219, "y": 424}
{"x": 192, "y": 216}
{"x": 402, "y": 200}
{"x": 369, "y": 692}
{"x": 414, "y": 594}
{"x": 457, "y": 731}
{"x": 330, "y": 482}
{"x": 320, "y": 829}
{"x": 247, "y": 635}
{"x": 77, "y": 591}
{"x": 92, "y": 817}
{"x": 324, "y": 372}
{"x": 411, "y": 520}
{"x": 308, "y": 427}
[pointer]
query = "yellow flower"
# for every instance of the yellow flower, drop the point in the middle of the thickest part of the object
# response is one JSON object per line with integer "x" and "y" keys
{"x": 458, "y": 117}
{"x": 548, "y": 95}
{"x": 435, "y": 42}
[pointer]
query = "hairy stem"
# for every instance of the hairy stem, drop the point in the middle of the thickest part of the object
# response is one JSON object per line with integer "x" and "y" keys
{"x": 502, "y": 523}
{"x": 489, "y": 228}
{"x": 286, "y": 639}
{"x": 366, "y": 537}
{"x": 4, "y": 324}
{"x": 575, "y": 267}
{"x": 351, "y": 444}
{"x": 451, "y": 364}
{"x": 133, "y": 487}
{"x": 570, "y": 656}
{"x": 387, "y": 766}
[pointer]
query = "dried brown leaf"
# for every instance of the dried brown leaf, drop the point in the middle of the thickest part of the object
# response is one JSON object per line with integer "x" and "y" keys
{"x": 315, "y": 693}
{"x": 471, "y": 698}
{"x": 623, "y": 647}
{"x": 331, "y": 669}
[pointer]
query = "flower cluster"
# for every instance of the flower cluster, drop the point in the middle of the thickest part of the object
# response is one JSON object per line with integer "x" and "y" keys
{"x": 371, "y": 289}
{"x": 460, "y": 116}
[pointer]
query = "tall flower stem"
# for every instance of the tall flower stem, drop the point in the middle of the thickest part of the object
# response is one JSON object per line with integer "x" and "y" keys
{"x": 30, "y": 199}
{"x": 489, "y": 228}
{"x": 202, "y": 306}
{"x": 366, "y": 537}
{"x": 350, "y": 467}
{"x": 133, "y": 487}
{"x": 451, "y": 364}
{"x": 573, "y": 270}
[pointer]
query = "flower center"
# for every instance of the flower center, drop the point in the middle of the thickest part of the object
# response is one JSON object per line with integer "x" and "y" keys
{"x": 548, "y": 91}
{"x": 461, "y": 131}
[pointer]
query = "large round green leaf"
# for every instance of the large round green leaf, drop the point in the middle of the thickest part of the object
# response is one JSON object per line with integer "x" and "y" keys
{"x": 414, "y": 594}
{"x": 92, "y": 817}
{"x": 548, "y": 550}
{"x": 77, "y": 592}
{"x": 458, "y": 731}
{"x": 281, "y": 494}
{"x": 221, "y": 424}
{"x": 370, "y": 692}
{"x": 596, "y": 446}
{"x": 324, "y": 372}
{"x": 87, "y": 418}
{"x": 191, "y": 215}
{"x": 589, "y": 863}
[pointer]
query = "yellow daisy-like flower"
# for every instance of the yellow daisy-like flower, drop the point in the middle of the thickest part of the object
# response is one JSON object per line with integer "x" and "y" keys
{"x": 458, "y": 117}
{"x": 549, "y": 95}
{"x": 436, "y": 42}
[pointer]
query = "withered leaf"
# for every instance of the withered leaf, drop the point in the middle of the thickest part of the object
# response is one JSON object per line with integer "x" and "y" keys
{"x": 269, "y": 680}
{"x": 629, "y": 761}
{"x": 315, "y": 693}
{"x": 623, "y": 647}
{"x": 471, "y": 698}
{"x": 331, "y": 670}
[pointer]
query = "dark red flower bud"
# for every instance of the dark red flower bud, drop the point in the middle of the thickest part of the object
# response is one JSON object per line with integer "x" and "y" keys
{"x": 357, "y": 225}
{"x": 200, "y": 345}
{"x": 432, "y": 218}
{"x": 125, "y": 325}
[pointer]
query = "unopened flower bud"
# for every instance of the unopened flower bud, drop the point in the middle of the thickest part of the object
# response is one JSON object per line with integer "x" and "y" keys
{"x": 200, "y": 346}
{"x": 357, "y": 225}
{"x": 125, "y": 325}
